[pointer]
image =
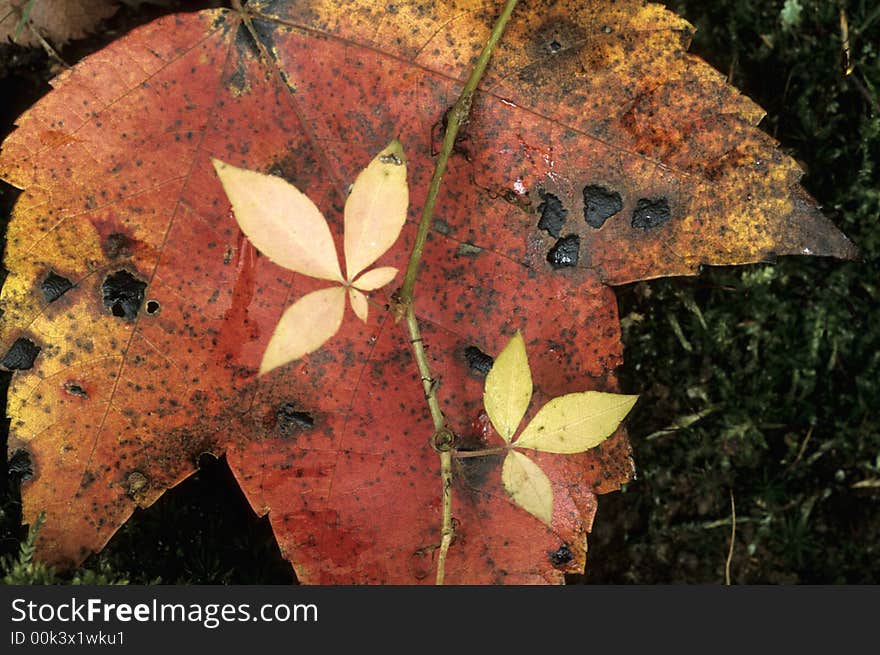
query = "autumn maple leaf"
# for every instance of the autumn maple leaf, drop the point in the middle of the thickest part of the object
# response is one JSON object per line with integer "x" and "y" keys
{"x": 286, "y": 226}
{"x": 597, "y": 152}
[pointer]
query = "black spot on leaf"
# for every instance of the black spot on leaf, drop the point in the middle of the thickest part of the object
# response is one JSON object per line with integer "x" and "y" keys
{"x": 600, "y": 204}
{"x": 153, "y": 307}
{"x": 565, "y": 252}
{"x": 20, "y": 465}
{"x": 21, "y": 356}
{"x": 650, "y": 213}
{"x": 75, "y": 389}
{"x": 87, "y": 479}
{"x": 244, "y": 41}
{"x": 123, "y": 294}
{"x": 421, "y": 563}
{"x": 552, "y": 214}
{"x": 561, "y": 556}
{"x": 55, "y": 286}
{"x": 289, "y": 420}
{"x": 562, "y": 38}
{"x": 477, "y": 360}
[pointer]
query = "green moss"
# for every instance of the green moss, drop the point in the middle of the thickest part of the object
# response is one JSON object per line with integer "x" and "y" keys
{"x": 21, "y": 569}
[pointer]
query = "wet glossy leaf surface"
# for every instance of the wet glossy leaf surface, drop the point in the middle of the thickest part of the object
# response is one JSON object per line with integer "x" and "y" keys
{"x": 121, "y": 200}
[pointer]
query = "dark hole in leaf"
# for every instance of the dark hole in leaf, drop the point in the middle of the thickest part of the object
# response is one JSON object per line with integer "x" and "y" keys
{"x": 294, "y": 166}
{"x": 561, "y": 38}
{"x": 21, "y": 355}
{"x": 561, "y": 556}
{"x": 552, "y": 214}
{"x": 123, "y": 294}
{"x": 565, "y": 252}
{"x": 75, "y": 389}
{"x": 288, "y": 419}
{"x": 478, "y": 361}
{"x": 20, "y": 465}
{"x": 650, "y": 213}
{"x": 55, "y": 286}
{"x": 600, "y": 204}
{"x": 153, "y": 307}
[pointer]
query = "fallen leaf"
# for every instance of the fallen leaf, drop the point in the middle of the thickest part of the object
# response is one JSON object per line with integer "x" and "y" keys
{"x": 375, "y": 210}
{"x": 527, "y": 484}
{"x": 359, "y": 304}
{"x": 306, "y": 326}
{"x": 281, "y": 221}
{"x": 57, "y": 22}
{"x": 598, "y": 152}
{"x": 575, "y": 422}
{"x": 508, "y": 388}
{"x": 375, "y": 278}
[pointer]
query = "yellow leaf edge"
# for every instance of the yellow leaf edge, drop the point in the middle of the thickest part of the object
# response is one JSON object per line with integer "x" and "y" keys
{"x": 576, "y": 422}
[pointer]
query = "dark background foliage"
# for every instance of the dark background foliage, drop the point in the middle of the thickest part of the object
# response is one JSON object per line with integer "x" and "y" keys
{"x": 760, "y": 384}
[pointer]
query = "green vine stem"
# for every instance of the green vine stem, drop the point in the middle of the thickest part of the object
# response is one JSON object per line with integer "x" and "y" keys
{"x": 456, "y": 117}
